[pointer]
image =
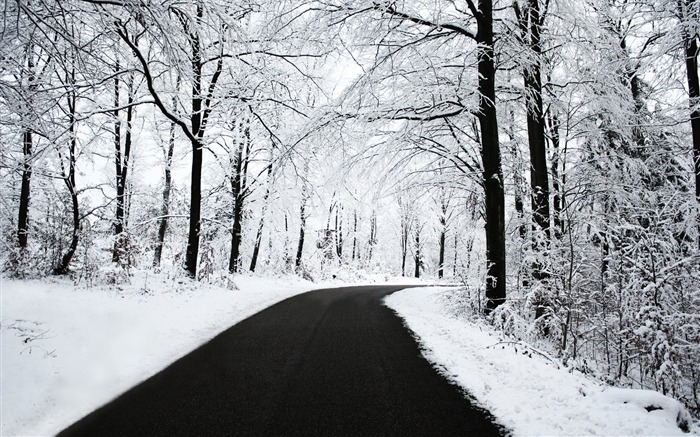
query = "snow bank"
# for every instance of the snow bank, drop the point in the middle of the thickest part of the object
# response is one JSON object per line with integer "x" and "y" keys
{"x": 525, "y": 390}
{"x": 67, "y": 350}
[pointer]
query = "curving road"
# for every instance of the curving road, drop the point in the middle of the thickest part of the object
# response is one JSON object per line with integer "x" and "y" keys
{"x": 328, "y": 362}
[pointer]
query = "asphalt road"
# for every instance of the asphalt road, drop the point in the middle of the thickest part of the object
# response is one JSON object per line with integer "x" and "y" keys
{"x": 325, "y": 363}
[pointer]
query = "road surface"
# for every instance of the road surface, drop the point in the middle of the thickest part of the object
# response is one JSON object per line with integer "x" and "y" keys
{"x": 327, "y": 363}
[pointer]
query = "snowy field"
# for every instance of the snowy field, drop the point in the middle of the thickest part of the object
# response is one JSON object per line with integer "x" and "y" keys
{"x": 526, "y": 391}
{"x": 66, "y": 350}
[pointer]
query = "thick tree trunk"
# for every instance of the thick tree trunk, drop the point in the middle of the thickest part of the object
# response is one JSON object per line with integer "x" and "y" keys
{"x": 23, "y": 220}
{"x": 196, "y": 140}
{"x": 691, "y": 66}
{"x": 491, "y": 161}
{"x": 539, "y": 180}
{"x": 236, "y": 191}
{"x": 195, "y": 211}
{"x": 27, "y": 143}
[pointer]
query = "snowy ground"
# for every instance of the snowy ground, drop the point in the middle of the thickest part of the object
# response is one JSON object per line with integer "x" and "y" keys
{"x": 66, "y": 350}
{"x": 529, "y": 393}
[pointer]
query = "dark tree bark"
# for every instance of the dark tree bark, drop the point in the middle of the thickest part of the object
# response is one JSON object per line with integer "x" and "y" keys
{"x": 302, "y": 231}
{"x": 25, "y": 194}
{"x": 372, "y": 235}
{"x": 192, "y": 251}
{"x": 530, "y": 24}
{"x": 491, "y": 160}
{"x": 687, "y": 9}
{"x": 339, "y": 232}
{"x": 557, "y": 201}
{"x": 121, "y": 160}
{"x": 454, "y": 265}
{"x": 518, "y": 179}
{"x": 302, "y": 216}
{"x": 69, "y": 179}
{"x": 27, "y": 143}
{"x": 354, "y": 235}
{"x": 167, "y": 186}
{"x": 441, "y": 260}
{"x": 405, "y": 231}
{"x": 417, "y": 254}
{"x": 238, "y": 188}
{"x": 444, "y": 205}
{"x": 261, "y": 223}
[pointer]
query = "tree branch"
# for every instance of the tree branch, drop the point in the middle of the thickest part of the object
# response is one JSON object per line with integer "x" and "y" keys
{"x": 121, "y": 31}
{"x": 423, "y": 22}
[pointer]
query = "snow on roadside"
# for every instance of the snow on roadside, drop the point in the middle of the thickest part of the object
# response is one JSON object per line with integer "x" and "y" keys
{"x": 66, "y": 350}
{"x": 526, "y": 392}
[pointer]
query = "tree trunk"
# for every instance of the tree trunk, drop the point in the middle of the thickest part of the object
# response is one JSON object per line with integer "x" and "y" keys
{"x": 237, "y": 189}
{"x": 454, "y": 265}
{"x": 261, "y": 224}
{"x": 23, "y": 220}
{"x": 195, "y": 211}
{"x": 302, "y": 230}
{"x": 196, "y": 141}
{"x": 518, "y": 179}
{"x": 119, "y": 213}
{"x": 64, "y": 266}
{"x": 539, "y": 179}
{"x": 556, "y": 176}
{"x": 404, "y": 241}
{"x": 417, "y": 255}
{"x": 27, "y": 143}
{"x": 167, "y": 185}
{"x": 354, "y": 234}
{"x": 372, "y": 235}
{"x": 691, "y": 66}
{"x": 302, "y": 216}
{"x": 491, "y": 161}
{"x": 441, "y": 260}
{"x": 339, "y": 232}
{"x": 121, "y": 164}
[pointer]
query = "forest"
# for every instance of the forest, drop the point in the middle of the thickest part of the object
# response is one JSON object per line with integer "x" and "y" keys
{"x": 544, "y": 154}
